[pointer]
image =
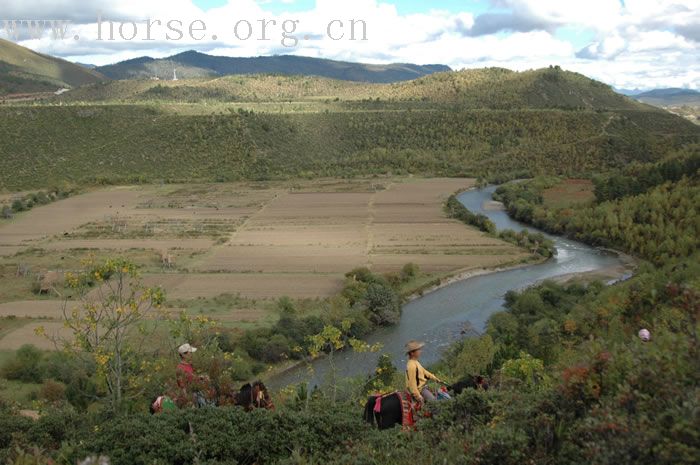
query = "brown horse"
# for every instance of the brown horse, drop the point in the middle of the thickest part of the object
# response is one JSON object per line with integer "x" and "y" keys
{"x": 250, "y": 397}
{"x": 254, "y": 396}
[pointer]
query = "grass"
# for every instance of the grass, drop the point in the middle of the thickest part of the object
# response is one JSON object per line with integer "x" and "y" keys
{"x": 19, "y": 392}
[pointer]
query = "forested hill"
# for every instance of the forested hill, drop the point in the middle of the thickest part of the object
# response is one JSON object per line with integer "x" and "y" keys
{"x": 490, "y": 123}
{"x": 494, "y": 88}
{"x": 193, "y": 64}
{"x": 505, "y": 89}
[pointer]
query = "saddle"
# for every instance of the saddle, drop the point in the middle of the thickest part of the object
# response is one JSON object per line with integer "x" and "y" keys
{"x": 408, "y": 408}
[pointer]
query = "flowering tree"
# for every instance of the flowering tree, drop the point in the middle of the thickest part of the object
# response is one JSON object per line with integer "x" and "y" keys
{"x": 114, "y": 314}
{"x": 332, "y": 339}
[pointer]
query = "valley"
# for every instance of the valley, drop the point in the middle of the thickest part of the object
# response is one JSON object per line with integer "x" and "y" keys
{"x": 230, "y": 251}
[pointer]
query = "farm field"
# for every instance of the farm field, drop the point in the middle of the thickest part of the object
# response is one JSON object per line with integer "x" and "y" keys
{"x": 569, "y": 192}
{"x": 229, "y": 251}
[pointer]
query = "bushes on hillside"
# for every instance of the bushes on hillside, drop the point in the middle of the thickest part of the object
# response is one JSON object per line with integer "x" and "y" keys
{"x": 213, "y": 436}
{"x": 656, "y": 225}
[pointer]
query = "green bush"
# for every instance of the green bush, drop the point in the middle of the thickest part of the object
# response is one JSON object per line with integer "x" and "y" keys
{"x": 213, "y": 436}
{"x": 25, "y": 366}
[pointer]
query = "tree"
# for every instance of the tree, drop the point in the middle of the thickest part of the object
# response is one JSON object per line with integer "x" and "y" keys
{"x": 331, "y": 340}
{"x": 383, "y": 304}
{"x": 110, "y": 325}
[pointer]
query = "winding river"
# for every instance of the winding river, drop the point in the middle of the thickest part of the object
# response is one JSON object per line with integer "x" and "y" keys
{"x": 440, "y": 317}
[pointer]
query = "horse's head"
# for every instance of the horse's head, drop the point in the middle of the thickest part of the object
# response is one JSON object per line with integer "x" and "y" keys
{"x": 261, "y": 397}
{"x": 253, "y": 396}
{"x": 470, "y": 382}
{"x": 482, "y": 382}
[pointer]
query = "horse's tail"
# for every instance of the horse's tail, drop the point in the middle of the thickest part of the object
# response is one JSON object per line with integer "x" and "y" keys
{"x": 368, "y": 414}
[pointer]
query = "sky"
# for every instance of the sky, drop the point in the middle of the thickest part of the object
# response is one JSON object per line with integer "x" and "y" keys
{"x": 626, "y": 43}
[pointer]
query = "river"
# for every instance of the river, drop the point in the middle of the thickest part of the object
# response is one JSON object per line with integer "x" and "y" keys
{"x": 439, "y": 318}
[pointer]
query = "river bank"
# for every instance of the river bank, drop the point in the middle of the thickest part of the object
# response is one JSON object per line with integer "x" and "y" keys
{"x": 418, "y": 293}
{"x": 467, "y": 299}
{"x": 469, "y": 274}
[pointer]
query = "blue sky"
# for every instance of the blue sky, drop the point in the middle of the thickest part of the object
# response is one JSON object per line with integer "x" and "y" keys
{"x": 630, "y": 43}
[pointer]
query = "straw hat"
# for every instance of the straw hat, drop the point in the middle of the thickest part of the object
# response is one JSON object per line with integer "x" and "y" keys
{"x": 414, "y": 345}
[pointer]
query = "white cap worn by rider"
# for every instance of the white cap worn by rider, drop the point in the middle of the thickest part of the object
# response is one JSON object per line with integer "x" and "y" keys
{"x": 644, "y": 335}
{"x": 186, "y": 349}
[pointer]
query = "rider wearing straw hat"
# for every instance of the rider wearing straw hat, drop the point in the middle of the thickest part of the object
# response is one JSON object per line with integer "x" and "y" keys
{"x": 416, "y": 376}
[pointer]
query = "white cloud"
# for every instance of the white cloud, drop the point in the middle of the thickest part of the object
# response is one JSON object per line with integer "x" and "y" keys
{"x": 642, "y": 43}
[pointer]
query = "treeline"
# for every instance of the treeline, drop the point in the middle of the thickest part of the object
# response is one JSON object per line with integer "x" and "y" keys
{"x": 534, "y": 242}
{"x": 455, "y": 209}
{"x": 658, "y": 225}
{"x": 639, "y": 178}
{"x": 34, "y": 199}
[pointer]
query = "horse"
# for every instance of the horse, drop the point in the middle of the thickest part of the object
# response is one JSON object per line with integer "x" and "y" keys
{"x": 250, "y": 397}
{"x": 470, "y": 382}
{"x": 387, "y": 411}
{"x": 396, "y": 409}
{"x": 254, "y": 396}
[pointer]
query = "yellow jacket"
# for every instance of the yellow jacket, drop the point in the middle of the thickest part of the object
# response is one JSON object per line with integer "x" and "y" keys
{"x": 417, "y": 377}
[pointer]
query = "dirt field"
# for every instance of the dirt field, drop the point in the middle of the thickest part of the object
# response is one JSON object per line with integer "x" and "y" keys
{"x": 569, "y": 192}
{"x": 255, "y": 241}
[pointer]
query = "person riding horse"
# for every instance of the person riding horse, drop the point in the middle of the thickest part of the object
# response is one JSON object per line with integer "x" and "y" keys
{"x": 416, "y": 376}
{"x": 402, "y": 407}
{"x": 191, "y": 388}
{"x": 198, "y": 391}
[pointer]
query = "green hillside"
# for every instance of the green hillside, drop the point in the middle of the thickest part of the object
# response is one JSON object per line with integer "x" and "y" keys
{"x": 25, "y": 71}
{"x": 489, "y": 122}
{"x": 118, "y": 143}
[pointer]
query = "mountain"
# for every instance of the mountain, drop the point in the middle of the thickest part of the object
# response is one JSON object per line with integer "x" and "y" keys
{"x": 487, "y": 88}
{"x": 478, "y": 122}
{"x": 672, "y": 97}
{"x": 193, "y": 64}
{"x": 628, "y": 92}
{"x": 25, "y": 71}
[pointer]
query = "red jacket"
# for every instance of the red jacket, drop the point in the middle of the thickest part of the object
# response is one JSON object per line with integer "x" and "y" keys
{"x": 185, "y": 374}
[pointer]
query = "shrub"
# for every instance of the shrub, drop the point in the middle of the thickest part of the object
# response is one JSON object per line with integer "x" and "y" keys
{"x": 409, "y": 271}
{"x": 18, "y": 206}
{"x": 25, "y": 365}
{"x": 53, "y": 391}
{"x": 526, "y": 368}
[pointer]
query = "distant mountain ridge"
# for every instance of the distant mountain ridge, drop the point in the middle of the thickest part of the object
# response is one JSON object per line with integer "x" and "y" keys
{"x": 192, "y": 64}
{"x": 670, "y": 97}
{"x": 673, "y": 91}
